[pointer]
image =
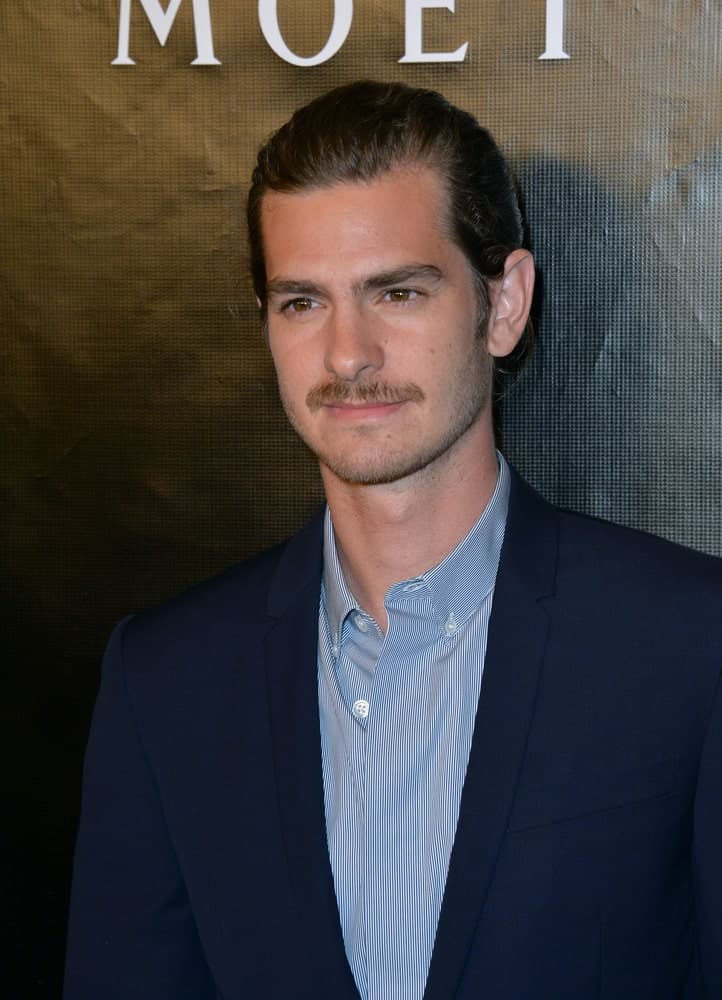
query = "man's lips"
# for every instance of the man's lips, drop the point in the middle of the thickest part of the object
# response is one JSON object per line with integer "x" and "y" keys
{"x": 365, "y": 398}
{"x": 362, "y": 411}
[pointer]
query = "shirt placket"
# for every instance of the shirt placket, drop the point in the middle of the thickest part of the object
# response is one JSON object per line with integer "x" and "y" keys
{"x": 391, "y": 835}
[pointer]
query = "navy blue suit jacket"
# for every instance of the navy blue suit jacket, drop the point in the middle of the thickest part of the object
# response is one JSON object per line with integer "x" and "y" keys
{"x": 587, "y": 863}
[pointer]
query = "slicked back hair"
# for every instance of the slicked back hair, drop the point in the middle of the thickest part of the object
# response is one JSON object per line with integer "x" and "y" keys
{"x": 362, "y": 130}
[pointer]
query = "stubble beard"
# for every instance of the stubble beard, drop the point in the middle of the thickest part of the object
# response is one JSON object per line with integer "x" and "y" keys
{"x": 380, "y": 459}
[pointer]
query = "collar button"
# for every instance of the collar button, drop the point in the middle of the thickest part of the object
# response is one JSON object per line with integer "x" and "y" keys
{"x": 451, "y": 625}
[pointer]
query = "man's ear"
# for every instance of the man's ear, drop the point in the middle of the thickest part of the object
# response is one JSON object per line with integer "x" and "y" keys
{"x": 510, "y": 299}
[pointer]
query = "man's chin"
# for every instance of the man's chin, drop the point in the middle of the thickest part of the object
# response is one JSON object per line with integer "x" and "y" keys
{"x": 374, "y": 470}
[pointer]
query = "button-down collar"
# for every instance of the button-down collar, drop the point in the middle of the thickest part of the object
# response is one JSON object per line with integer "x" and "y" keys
{"x": 456, "y": 586}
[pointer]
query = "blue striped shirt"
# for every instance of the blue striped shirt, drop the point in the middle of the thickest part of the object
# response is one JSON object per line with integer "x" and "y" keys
{"x": 397, "y": 717}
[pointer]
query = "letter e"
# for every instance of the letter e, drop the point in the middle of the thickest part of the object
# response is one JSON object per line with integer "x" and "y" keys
{"x": 414, "y": 30}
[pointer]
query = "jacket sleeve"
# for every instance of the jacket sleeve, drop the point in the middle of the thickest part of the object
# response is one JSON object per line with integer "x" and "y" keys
{"x": 708, "y": 852}
{"x": 131, "y": 930}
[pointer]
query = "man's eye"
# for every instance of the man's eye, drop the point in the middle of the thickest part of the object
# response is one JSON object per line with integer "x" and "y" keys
{"x": 299, "y": 305}
{"x": 401, "y": 294}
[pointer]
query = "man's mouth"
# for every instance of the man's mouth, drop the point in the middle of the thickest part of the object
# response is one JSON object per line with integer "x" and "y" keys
{"x": 373, "y": 397}
{"x": 362, "y": 411}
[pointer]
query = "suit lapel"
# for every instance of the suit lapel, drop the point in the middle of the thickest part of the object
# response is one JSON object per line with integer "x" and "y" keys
{"x": 515, "y": 648}
{"x": 292, "y": 678}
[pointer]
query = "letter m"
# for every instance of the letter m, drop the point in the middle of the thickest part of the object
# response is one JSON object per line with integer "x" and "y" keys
{"x": 161, "y": 22}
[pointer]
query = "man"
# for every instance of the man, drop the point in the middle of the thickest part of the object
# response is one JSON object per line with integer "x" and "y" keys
{"x": 448, "y": 741}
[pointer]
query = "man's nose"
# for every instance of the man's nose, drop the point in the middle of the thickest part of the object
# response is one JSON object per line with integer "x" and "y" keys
{"x": 352, "y": 347}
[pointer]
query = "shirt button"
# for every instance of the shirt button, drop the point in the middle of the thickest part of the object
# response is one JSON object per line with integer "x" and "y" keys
{"x": 360, "y": 708}
{"x": 450, "y": 626}
{"x": 360, "y": 623}
{"x": 411, "y": 588}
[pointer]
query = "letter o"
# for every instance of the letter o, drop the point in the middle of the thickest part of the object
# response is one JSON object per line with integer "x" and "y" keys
{"x": 268, "y": 20}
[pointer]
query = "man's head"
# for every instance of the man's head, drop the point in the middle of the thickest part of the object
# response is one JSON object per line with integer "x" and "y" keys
{"x": 360, "y": 131}
{"x": 385, "y": 239}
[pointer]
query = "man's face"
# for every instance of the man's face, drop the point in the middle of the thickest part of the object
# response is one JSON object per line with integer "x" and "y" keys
{"x": 373, "y": 325}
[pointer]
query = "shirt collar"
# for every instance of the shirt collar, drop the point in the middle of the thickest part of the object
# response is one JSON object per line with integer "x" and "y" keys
{"x": 338, "y": 598}
{"x": 457, "y": 585}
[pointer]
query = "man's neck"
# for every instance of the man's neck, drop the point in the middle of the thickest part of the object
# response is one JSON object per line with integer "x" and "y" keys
{"x": 393, "y": 532}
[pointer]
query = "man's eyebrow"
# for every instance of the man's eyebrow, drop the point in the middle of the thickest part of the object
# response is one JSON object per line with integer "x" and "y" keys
{"x": 402, "y": 276}
{"x": 383, "y": 279}
{"x": 287, "y": 286}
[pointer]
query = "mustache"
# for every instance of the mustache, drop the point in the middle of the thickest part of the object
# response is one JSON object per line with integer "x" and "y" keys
{"x": 335, "y": 393}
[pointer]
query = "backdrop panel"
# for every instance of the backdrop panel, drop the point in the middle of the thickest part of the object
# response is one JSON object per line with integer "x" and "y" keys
{"x": 143, "y": 445}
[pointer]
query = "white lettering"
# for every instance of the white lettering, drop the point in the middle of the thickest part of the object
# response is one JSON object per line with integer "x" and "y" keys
{"x": 268, "y": 20}
{"x": 414, "y": 34}
{"x": 555, "y": 31}
{"x": 161, "y": 22}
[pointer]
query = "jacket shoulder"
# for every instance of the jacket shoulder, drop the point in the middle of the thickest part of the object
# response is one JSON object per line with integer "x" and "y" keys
{"x": 590, "y": 561}
{"x": 241, "y": 595}
{"x": 629, "y": 550}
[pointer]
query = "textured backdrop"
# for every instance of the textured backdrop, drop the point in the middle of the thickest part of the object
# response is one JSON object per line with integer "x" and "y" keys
{"x": 142, "y": 444}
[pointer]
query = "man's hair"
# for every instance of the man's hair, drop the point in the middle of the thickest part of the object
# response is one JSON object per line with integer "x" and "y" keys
{"x": 360, "y": 131}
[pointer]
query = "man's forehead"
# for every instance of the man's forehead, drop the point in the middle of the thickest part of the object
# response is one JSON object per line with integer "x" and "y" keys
{"x": 399, "y": 207}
